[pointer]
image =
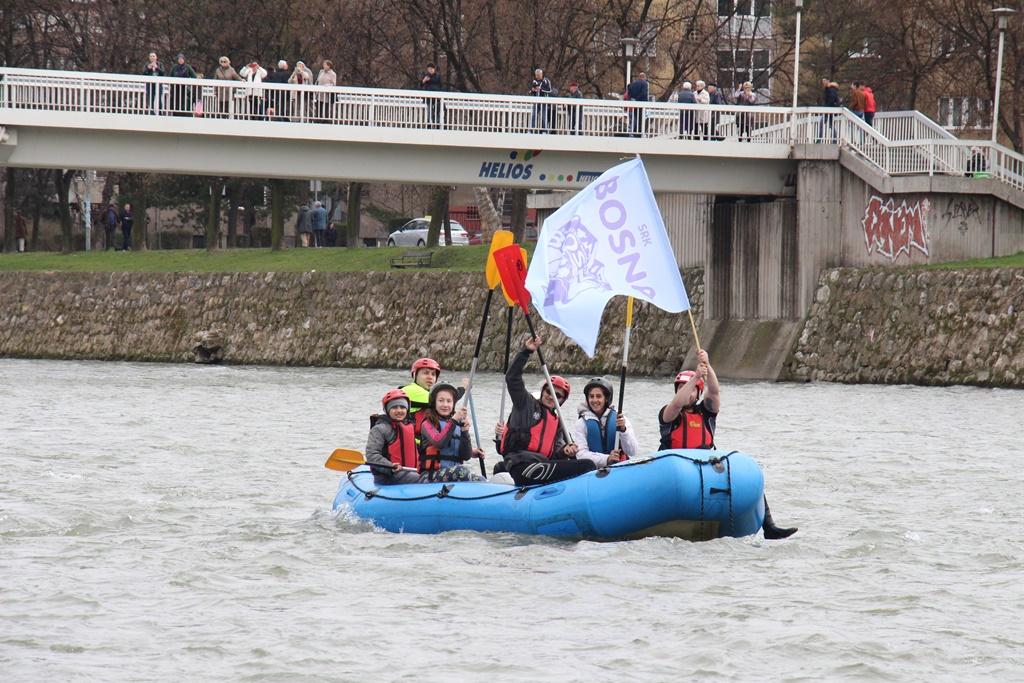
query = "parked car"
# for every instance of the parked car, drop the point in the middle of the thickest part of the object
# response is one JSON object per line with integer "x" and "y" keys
{"x": 414, "y": 234}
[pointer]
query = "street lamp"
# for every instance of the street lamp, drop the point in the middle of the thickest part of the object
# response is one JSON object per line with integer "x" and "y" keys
{"x": 796, "y": 71}
{"x": 629, "y": 50}
{"x": 1003, "y": 14}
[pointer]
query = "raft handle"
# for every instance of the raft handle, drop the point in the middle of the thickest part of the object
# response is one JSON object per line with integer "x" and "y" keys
{"x": 714, "y": 490}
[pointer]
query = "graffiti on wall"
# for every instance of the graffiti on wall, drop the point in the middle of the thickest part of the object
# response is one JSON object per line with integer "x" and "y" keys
{"x": 961, "y": 211}
{"x": 891, "y": 229}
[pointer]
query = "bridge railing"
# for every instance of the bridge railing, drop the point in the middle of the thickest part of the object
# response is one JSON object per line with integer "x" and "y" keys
{"x": 901, "y": 126}
{"x": 901, "y": 143}
{"x": 381, "y": 108}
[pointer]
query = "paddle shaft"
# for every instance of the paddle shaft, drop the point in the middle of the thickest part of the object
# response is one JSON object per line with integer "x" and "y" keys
{"x": 504, "y": 369}
{"x": 551, "y": 387}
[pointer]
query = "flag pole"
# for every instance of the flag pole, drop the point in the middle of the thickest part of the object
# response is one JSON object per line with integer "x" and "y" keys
{"x": 625, "y": 363}
{"x": 693, "y": 327}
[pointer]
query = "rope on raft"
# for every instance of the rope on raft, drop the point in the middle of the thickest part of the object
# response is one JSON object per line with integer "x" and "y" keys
{"x": 446, "y": 490}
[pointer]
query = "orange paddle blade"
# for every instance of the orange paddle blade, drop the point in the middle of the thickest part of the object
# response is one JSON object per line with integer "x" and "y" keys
{"x": 513, "y": 274}
{"x": 502, "y": 238}
{"x": 344, "y": 460}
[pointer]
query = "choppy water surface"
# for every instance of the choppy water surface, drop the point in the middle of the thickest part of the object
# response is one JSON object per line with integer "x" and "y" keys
{"x": 173, "y": 523}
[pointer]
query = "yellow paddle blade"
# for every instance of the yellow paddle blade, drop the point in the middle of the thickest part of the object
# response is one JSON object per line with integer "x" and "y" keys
{"x": 509, "y": 300}
{"x": 344, "y": 460}
{"x": 502, "y": 238}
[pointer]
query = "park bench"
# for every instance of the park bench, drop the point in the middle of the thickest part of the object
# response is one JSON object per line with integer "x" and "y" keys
{"x": 412, "y": 259}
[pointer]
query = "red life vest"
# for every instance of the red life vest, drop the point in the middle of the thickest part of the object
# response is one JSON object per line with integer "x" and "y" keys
{"x": 402, "y": 449}
{"x": 434, "y": 440}
{"x": 542, "y": 434}
{"x": 690, "y": 431}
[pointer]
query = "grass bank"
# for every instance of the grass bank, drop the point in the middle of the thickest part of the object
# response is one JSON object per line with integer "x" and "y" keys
{"x": 337, "y": 260}
{"x": 1014, "y": 261}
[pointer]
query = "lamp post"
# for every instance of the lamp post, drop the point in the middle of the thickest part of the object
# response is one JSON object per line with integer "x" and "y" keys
{"x": 796, "y": 71}
{"x": 628, "y": 50}
{"x": 1003, "y": 14}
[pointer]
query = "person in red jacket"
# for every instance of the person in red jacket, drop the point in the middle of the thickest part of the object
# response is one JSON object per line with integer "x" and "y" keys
{"x": 688, "y": 421}
{"x": 869, "y": 105}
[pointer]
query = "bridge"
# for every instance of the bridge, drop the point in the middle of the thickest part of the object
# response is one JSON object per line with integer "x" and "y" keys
{"x": 61, "y": 119}
{"x": 763, "y": 198}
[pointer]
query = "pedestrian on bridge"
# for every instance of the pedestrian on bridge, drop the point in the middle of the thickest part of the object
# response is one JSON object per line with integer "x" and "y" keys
{"x": 327, "y": 78}
{"x": 182, "y": 96}
{"x": 744, "y": 121}
{"x": 278, "y": 99}
{"x": 224, "y": 72}
{"x": 686, "y": 116}
{"x": 540, "y": 87}
{"x": 574, "y": 109}
{"x": 430, "y": 81}
{"x": 254, "y": 74}
{"x": 638, "y": 91}
{"x": 301, "y": 99}
{"x": 153, "y": 91}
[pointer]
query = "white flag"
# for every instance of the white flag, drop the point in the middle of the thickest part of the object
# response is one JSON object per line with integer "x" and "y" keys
{"x": 609, "y": 239}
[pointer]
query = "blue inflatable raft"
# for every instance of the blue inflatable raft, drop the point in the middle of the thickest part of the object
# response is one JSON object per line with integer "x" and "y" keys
{"x": 691, "y": 494}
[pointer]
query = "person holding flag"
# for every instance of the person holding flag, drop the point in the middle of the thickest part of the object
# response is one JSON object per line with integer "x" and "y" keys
{"x": 605, "y": 435}
{"x": 532, "y": 444}
{"x": 688, "y": 421}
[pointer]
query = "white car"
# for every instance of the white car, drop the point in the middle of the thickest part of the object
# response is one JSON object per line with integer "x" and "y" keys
{"x": 414, "y": 234}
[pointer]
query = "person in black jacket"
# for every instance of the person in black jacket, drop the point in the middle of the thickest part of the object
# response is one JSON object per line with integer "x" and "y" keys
{"x": 540, "y": 86}
{"x": 638, "y": 91}
{"x": 532, "y": 443}
{"x": 430, "y": 81}
{"x": 153, "y": 90}
{"x": 829, "y": 98}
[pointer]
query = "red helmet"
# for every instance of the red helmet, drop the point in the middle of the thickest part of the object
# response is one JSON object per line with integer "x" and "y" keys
{"x": 561, "y": 384}
{"x": 391, "y": 396}
{"x": 425, "y": 363}
{"x": 685, "y": 376}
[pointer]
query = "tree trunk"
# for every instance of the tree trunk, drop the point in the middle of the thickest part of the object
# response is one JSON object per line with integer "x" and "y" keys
{"x": 39, "y": 177}
{"x": 519, "y": 215}
{"x": 438, "y": 214}
{"x": 490, "y": 218}
{"x": 234, "y": 190}
{"x": 10, "y": 189}
{"x": 62, "y": 185}
{"x": 276, "y": 214}
{"x": 355, "y": 210}
{"x": 213, "y": 215}
{"x": 140, "y": 207}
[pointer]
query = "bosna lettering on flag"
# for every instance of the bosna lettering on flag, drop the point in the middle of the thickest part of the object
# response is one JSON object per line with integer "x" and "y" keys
{"x": 609, "y": 239}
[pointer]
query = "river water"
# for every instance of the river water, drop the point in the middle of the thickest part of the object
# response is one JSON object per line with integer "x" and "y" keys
{"x": 173, "y": 522}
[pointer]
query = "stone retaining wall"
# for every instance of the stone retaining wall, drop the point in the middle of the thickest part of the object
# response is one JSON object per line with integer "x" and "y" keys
{"x": 332, "y": 319}
{"x": 933, "y": 327}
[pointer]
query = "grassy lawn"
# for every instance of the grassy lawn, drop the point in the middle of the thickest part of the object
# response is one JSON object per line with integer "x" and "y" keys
{"x": 462, "y": 259}
{"x": 1014, "y": 261}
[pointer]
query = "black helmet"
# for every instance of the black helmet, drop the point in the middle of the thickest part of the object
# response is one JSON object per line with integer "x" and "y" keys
{"x": 441, "y": 386}
{"x": 604, "y": 385}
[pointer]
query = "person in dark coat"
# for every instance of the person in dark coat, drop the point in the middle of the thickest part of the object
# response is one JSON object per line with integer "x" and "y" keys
{"x": 829, "y": 98}
{"x": 540, "y": 86}
{"x": 430, "y": 81}
{"x": 182, "y": 96}
{"x": 109, "y": 226}
{"x": 715, "y": 97}
{"x": 638, "y": 91}
{"x": 555, "y": 458}
{"x": 687, "y": 120}
{"x": 574, "y": 110}
{"x": 153, "y": 90}
{"x": 277, "y": 99}
{"x": 127, "y": 220}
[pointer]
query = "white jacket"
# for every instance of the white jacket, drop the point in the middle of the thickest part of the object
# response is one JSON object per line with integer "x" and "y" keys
{"x": 703, "y": 97}
{"x": 254, "y": 76}
{"x": 627, "y": 439}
